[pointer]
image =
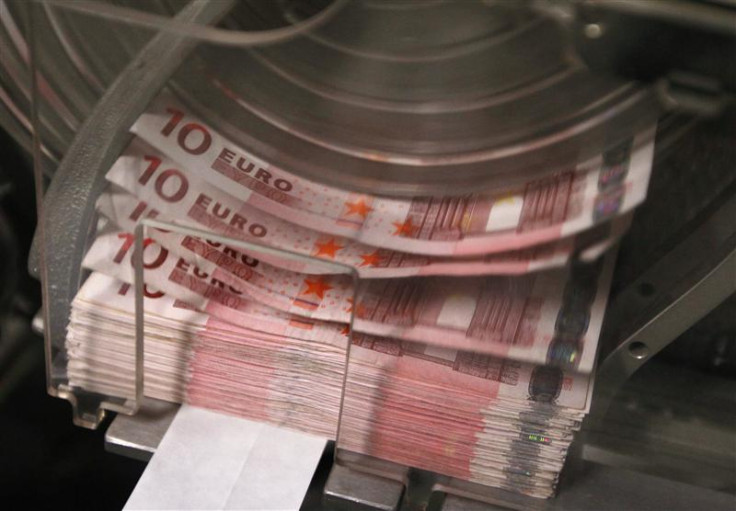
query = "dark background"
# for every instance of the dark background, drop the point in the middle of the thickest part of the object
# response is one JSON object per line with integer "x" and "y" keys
{"x": 45, "y": 461}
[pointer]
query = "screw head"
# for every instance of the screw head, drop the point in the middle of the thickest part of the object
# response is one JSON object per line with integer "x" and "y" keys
{"x": 593, "y": 30}
{"x": 638, "y": 350}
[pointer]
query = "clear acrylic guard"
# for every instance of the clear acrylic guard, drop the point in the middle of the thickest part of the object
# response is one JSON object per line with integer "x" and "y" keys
{"x": 142, "y": 48}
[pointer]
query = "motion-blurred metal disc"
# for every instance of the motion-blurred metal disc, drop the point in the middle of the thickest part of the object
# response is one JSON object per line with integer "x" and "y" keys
{"x": 389, "y": 96}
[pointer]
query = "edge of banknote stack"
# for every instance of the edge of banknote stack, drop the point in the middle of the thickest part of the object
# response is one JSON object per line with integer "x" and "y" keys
{"x": 475, "y": 319}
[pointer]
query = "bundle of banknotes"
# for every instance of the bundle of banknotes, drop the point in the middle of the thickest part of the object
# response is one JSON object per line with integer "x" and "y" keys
{"x": 454, "y": 334}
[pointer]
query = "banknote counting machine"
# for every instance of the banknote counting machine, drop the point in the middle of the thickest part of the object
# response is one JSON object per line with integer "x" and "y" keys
{"x": 634, "y": 62}
{"x": 628, "y": 456}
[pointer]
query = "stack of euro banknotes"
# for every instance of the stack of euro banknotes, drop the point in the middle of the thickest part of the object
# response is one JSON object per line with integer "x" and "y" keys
{"x": 454, "y": 334}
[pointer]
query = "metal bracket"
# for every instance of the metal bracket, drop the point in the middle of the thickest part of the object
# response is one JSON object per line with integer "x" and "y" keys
{"x": 671, "y": 296}
{"x": 348, "y": 490}
{"x": 137, "y": 436}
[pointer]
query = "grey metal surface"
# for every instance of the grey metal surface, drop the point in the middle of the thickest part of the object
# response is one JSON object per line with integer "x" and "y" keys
{"x": 600, "y": 488}
{"x": 137, "y": 436}
{"x": 455, "y": 503}
{"x": 349, "y": 490}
